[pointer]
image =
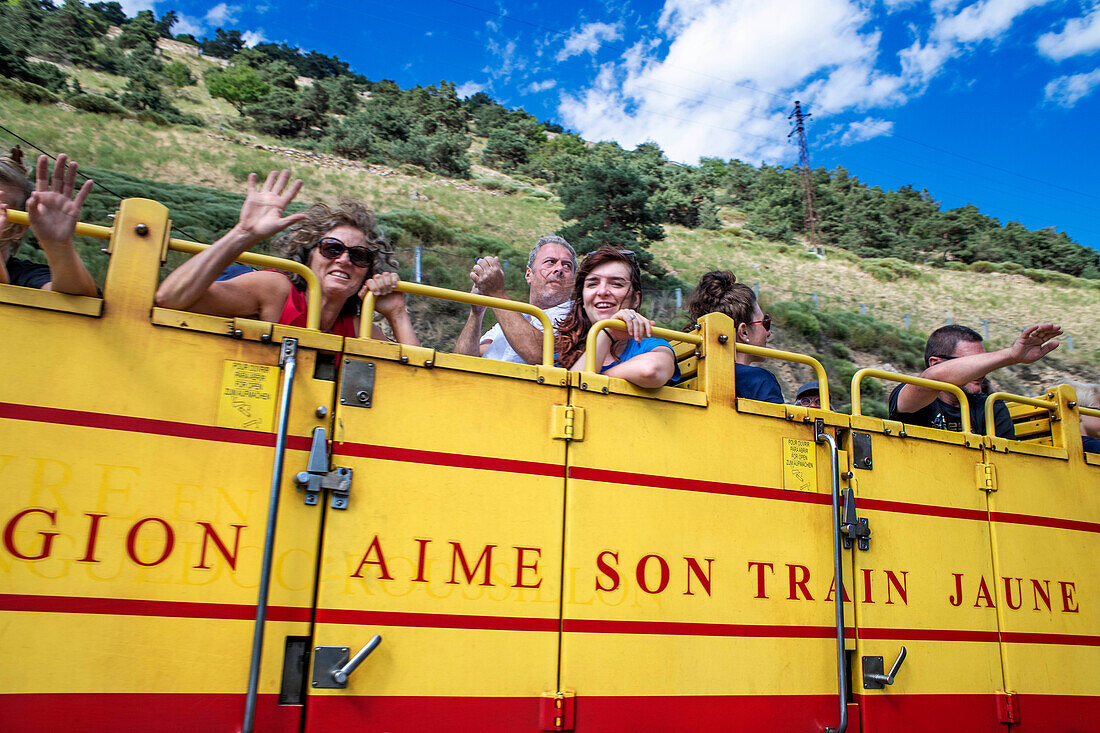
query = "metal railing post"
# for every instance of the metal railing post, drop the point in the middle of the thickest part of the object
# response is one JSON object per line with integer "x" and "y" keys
{"x": 287, "y": 361}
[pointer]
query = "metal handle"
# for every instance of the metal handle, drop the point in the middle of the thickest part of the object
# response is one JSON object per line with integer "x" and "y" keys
{"x": 820, "y": 436}
{"x": 340, "y": 676}
{"x": 887, "y": 679}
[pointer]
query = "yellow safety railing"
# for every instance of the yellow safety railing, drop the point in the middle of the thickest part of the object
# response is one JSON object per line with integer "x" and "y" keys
{"x": 431, "y": 291}
{"x": 964, "y": 403}
{"x": 1090, "y": 411}
{"x": 819, "y": 370}
{"x": 995, "y": 397}
{"x": 664, "y": 333}
{"x": 313, "y": 289}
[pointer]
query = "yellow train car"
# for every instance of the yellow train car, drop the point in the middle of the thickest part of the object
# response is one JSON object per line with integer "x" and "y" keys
{"x": 210, "y": 523}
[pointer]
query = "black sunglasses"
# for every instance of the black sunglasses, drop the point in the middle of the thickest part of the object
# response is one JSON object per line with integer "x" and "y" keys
{"x": 332, "y": 248}
{"x": 767, "y": 321}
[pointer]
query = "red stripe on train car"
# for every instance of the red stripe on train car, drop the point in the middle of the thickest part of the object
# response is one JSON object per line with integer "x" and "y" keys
{"x": 150, "y": 426}
{"x": 138, "y": 607}
{"x": 146, "y": 712}
{"x": 950, "y": 713}
{"x": 435, "y": 620}
{"x": 457, "y": 460}
{"x": 684, "y": 628}
{"x": 650, "y": 713}
{"x": 1054, "y": 522}
{"x": 686, "y": 484}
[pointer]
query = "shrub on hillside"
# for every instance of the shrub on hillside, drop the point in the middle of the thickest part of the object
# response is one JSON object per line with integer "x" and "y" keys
{"x": 889, "y": 269}
{"x": 97, "y": 103}
{"x": 28, "y": 91}
{"x": 798, "y": 317}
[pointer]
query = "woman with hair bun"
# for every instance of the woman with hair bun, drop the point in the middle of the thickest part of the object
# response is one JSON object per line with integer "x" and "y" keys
{"x": 609, "y": 285}
{"x": 342, "y": 245}
{"x": 719, "y": 292}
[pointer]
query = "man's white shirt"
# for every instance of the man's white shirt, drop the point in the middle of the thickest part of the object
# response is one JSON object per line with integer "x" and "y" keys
{"x": 501, "y": 350}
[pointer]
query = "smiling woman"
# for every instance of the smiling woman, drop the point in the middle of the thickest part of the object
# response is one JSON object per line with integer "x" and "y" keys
{"x": 342, "y": 245}
{"x": 609, "y": 286}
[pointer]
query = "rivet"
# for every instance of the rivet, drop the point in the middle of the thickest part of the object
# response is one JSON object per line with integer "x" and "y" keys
{"x": 265, "y": 337}
{"x": 362, "y": 396}
{"x": 584, "y": 385}
{"x": 428, "y": 363}
{"x": 903, "y": 434}
{"x": 887, "y": 431}
{"x": 404, "y": 360}
{"x": 141, "y": 229}
{"x": 321, "y": 411}
{"x": 604, "y": 389}
{"x": 542, "y": 380}
{"x": 237, "y": 333}
{"x": 723, "y": 338}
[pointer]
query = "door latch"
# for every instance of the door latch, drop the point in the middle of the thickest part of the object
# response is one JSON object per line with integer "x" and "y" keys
{"x": 331, "y": 666}
{"x": 873, "y": 678}
{"x": 855, "y": 529}
{"x": 317, "y": 476}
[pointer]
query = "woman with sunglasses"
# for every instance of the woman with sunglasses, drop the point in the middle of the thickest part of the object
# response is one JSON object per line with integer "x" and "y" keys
{"x": 342, "y": 245}
{"x": 609, "y": 285}
{"x": 719, "y": 292}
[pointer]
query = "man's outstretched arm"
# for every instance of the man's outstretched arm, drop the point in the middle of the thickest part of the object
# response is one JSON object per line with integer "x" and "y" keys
{"x": 1033, "y": 344}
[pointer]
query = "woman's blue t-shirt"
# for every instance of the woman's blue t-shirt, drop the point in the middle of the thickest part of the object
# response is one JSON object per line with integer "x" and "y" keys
{"x": 634, "y": 348}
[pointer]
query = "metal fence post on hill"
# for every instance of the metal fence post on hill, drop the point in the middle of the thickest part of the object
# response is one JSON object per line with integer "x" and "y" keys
{"x": 814, "y": 296}
{"x": 985, "y": 328}
{"x": 906, "y": 321}
{"x": 863, "y": 308}
{"x": 1069, "y": 343}
{"x": 756, "y": 289}
{"x": 679, "y": 298}
{"x": 416, "y": 264}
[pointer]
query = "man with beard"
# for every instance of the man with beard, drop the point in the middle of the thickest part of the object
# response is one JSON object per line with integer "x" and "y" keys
{"x": 551, "y": 268}
{"x": 955, "y": 354}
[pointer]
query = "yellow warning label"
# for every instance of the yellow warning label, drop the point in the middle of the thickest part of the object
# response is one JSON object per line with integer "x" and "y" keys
{"x": 799, "y": 465}
{"x": 247, "y": 396}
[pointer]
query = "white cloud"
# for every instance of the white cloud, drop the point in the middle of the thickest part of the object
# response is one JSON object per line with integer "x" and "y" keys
{"x": 952, "y": 34}
{"x": 588, "y": 39}
{"x": 187, "y": 24}
{"x": 251, "y": 38}
{"x": 1078, "y": 36}
{"x": 1066, "y": 91}
{"x": 699, "y": 95}
{"x": 542, "y": 86}
{"x": 508, "y": 59}
{"x": 221, "y": 14}
{"x": 866, "y": 129}
{"x": 131, "y": 7}
{"x": 469, "y": 89}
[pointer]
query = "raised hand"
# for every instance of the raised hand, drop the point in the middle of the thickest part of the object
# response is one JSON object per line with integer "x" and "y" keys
{"x": 262, "y": 211}
{"x": 1035, "y": 343}
{"x": 488, "y": 277}
{"x": 51, "y": 209}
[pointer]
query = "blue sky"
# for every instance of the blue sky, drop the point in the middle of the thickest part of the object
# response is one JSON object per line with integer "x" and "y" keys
{"x": 992, "y": 103}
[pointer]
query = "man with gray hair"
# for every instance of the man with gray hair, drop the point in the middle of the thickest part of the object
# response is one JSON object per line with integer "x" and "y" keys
{"x": 551, "y": 269}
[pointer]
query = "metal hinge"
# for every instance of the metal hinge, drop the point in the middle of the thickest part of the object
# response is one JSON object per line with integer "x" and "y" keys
{"x": 987, "y": 477}
{"x": 317, "y": 477}
{"x": 556, "y": 711}
{"x": 567, "y": 422}
{"x": 1008, "y": 708}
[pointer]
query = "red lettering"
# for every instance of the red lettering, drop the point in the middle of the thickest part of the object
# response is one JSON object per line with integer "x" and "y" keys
{"x": 47, "y": 537}
{"x": 1038, "y": 592}
{"x": 1067, "y": 597}
{"x": 131, "y": 541}
{"x": 832, "y": 591}
{"x": 208, "y": 533}
{"x": 375, "y": 547}
{"x": 93, "y": 533}
{"x": 900, "y": 587}
{"x": 957, "y": 598}
{"x": 640, "y": 573}
{"x": 457, "y": 556}
{"x": 983, "y": 592}
{"x": 697, "y": 570}
{"x": 608, "y": 570}
{"x": 796, "y": 583}
{"x": 521, "y": 566}
{"x": 421, "y": 561}
{"x": 1008, "y": 592}
{"x": 761, "y": 589}
{"x": 867, "y": 586}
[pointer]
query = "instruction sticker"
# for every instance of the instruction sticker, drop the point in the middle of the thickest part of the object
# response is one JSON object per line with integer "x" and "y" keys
{"x": 247, "y": 397}
{"x": 799, "y": 465}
